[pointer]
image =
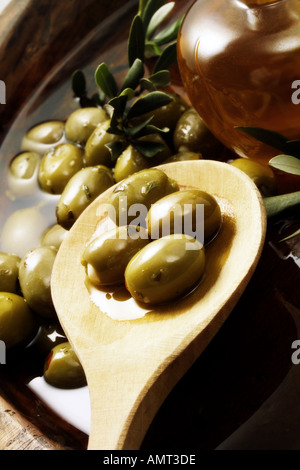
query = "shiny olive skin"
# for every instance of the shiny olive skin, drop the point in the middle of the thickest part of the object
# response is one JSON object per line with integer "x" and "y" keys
{"x": 9, "y": 272}
{"x": 46, "y": 133}
{"x": 18, "y": 325}
{"x": 191, "y": 134}
{"x": 261, "y": 175}
{"x": 183, "y": 157}
{"x": 181, "y": 212}
{"x": 130, "y": 161}
{"x": 165, "y": 269}
{"x": 24, "y": 165}
{"x": 106, "y": 256}
{"x": 96, "y": 152}
{"x": 53, "y": 236}
{"x": 144, "y": 188}
{"x": 34, "y": 277}
{"x": 57, "y": 167}
{"x": 80, "y": 191}
{"x": 63, "y": 369}
{"x": 82, "y": 122}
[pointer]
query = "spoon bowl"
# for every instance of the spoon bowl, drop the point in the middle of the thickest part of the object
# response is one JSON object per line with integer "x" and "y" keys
{"x": 133, "y": 356}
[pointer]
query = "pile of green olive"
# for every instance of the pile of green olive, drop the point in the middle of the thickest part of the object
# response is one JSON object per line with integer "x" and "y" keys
{"x": 71, "y": 161}
{"x": 157, "y": 255}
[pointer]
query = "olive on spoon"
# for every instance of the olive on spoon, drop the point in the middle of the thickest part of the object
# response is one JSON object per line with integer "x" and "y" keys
{"x": 132, "y": 365}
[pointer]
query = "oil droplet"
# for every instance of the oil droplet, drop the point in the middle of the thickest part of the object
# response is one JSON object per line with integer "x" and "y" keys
{"x": 116, "y": 303}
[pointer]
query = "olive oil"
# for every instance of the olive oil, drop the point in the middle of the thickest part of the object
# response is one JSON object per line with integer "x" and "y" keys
{"x": 240, "y": 65}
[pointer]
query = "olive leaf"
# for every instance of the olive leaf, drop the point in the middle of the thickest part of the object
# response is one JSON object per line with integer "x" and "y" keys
{"x": 115, "y": 108}
{"x": 152, "y": 49}
{"x": 149, "y": 10}
{"x": 121, "y": 124}
{"x": 158, "y": 17}
{"x": 148, "y": 85}
{"x": 286, "y": 163}
{"x": 167, "y": 58}
{"x": 142, "y": 5}
{"x": 274, "y": 139}
{"x": 168, "y": 34}
{"x": 134, "y": 75}
{"x": 291, "y": 236}
{"x": 147, "y": 148}
{"x": 129, "y": 93}
{"x": 116, "y": 148}
{"x": 78, "y": 83}
{"x": 144, "y": 129}
{"x": 275, "y": 205}
{"x": 136, "y": 40}
{"x": 160, "y": 79}
{"x": 149, "y": 103}
{"x": 135, "y": 131}
{"x": 106, "y": 81}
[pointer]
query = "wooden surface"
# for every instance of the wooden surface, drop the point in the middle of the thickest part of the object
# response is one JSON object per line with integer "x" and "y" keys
{"x": 35, "y": 35}
{"x": 19, "y": 433}
{"x": 131, "y": 366}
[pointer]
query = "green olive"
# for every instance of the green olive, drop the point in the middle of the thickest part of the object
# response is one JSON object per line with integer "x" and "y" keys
{"x": 24, "y": 165}
{"x": 81, "y": 123}
{"x": 53, "y": 236}
{"x": 58, "y": 165}
{"x": 34, "y": 277}
{"x": 9, "y": 272}
{"x": 96, "y": 152}
{"x": 43, "y": 135}
{"x": 135, "y": 194}
{"x": 80, "y": 191}
{"x": 191, "y": 134}
{"x": 191, "y": 211}
{"x": 183, "y": 157}
{"x": 107, "y": 255}
{"x": 63, "y": 369}
{"x": 262, "y": 175}
{"x": 48, "y": 336}
{"x": 165, "y": 269}
{"x": 130, "y": 161}
{"x": 18, "y": 325}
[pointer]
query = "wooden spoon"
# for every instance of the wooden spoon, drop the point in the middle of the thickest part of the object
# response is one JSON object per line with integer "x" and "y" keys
{"x": 132, "y": 365}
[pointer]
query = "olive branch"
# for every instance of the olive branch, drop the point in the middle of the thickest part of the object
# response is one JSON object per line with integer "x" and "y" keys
{"x": 288, "y": 162}
{"x": 138, "y": 95}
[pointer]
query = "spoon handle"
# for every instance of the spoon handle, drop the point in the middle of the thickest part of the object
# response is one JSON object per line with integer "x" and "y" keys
{"x": 123, "y": 406}
{"x": 132, "y": 365}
